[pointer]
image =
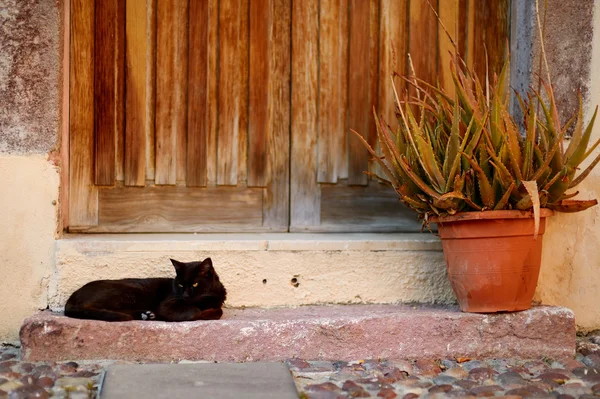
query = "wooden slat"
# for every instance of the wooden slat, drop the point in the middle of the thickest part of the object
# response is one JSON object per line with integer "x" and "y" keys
{"x": 305, "y": 194}
{"x": 105, "y": 41}
{"x": 491, "y": 30}
{"x": 151, "y": 89}
{"x": 277, "y": 194}
{"x": 392, "y": 55}
{"x": 188, "y": 209}
{"x": 213, "y": 31}
{"x": 63, "y": 214}
{"x": 138, "y": 123}
{"x": 471, "y": 6}
{"x": 171, "y": 76}
{"x": 449, "y": 17}
{"x": 364, "y": 209}
{"x": 83, "y": 195}
{"x": 197, "y": 132}
{"x": 423, "y": 34}
{"x": 232, "y": 91}
{"x": 362, "y": 84}
{"x": 331, "y": 125}
{"x": 343, "y": 134}
{"x": 120, "y": 91}
{"x": 258, "y": 123}
{"x": 463, "y": 28}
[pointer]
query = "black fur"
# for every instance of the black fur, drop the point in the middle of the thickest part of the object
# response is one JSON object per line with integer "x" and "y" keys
{"x": 165, "y": 299}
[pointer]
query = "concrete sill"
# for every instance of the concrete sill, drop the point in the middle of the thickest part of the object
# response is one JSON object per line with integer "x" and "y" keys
{"x": 91, "y": 243}
{"x": 267, "y": 270}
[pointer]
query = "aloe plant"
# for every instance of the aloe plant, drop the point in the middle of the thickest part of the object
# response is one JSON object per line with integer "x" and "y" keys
{"x": 465, "y": 152}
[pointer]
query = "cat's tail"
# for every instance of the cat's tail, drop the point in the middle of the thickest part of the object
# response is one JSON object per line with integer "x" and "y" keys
{"x": 82, "y": 312}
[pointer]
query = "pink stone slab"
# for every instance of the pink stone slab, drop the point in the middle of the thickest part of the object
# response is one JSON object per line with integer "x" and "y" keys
{"x": 313, "y": 332}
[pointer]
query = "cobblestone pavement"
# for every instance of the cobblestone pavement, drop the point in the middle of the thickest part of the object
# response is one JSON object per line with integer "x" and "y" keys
{"x": 459, "y": 378}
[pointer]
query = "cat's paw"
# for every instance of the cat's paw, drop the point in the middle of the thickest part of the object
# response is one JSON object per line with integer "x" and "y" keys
{"x": 148, "y": 315}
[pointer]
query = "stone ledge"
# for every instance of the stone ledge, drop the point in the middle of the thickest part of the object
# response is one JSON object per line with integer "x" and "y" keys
{"x": 258, "y": 269}
{"x": 311, "y": 332}
{"x": 107, "y": 243}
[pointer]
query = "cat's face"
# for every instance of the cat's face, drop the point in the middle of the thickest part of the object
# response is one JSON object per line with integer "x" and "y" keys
{"x": 194, "y": 280}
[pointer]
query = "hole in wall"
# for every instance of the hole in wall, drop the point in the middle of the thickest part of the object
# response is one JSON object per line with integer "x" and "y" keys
{"x": 264, "y": 281}
{"x": 294, "y": 282}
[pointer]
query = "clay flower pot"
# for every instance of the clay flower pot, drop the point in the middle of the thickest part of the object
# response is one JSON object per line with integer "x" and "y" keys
{"x": 492, "y": 258}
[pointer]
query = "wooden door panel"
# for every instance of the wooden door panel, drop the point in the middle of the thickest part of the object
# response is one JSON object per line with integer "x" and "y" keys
{"x": 140, "y": 60}
{"x": 179, "y": 209}
{"x": 160, "y": 121}
{"x": 83, "y": 193}
{"x": 337, "y": 81}
{"x": 234, "y": 115}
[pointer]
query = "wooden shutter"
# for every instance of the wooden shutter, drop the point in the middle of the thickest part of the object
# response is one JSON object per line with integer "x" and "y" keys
{"x": 179, "y": 115}
{"x": 234, "y": 115}
{"x": 344, "y": 53}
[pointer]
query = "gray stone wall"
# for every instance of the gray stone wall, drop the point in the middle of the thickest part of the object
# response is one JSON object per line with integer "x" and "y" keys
{"x": 568, "y": 43}
{"x": 30, "y": 64}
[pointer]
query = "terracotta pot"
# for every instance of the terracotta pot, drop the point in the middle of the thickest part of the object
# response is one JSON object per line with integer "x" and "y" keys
{"x": 493, "y": 261}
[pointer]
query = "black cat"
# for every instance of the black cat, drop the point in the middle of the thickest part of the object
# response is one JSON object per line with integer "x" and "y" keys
{"x": 196, "y": 293}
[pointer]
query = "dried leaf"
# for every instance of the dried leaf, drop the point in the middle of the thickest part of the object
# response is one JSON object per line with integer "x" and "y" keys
{"x": 532, "y": 189}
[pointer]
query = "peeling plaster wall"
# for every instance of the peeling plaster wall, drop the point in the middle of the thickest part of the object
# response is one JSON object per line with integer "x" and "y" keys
{"x": 29, "y": 76}
{"x": 29, "y": 183}
{"x": 570, "y": 274}
{"x": 568, "y": 43}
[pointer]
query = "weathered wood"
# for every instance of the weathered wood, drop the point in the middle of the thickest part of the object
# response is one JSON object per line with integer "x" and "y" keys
{"x": 197, "y": 132}
{"x": 305, "y": 193}
{"x": 232, "y": 88}
{"x": 449, "y": 17}
{"x": 120, "y": 91}
{"x": 343, "y": 134}
{"x": 83, "y": 195}
{"x": 423, "y": 27}
{"x": 105, "y": 116}
{"x": 138, "y": 124}
{"x": 332, "y": 113}
{"x": 364, "y": 209}
{"x": 392, "y": 56}
{"x": 171, "y": 76}
{"x": 362, "y": 84}
{"x": 188, "y": 210}
{"x": 470, "y": 18}
{"x": 63, "y": 213}
{"x": 462, "y": 28}
{"x": 213, "y": 31}
{"x": 259, "y": 87}
{"x": 490, "y": 36}
{"x": 151, "y": 39}
{"x": 277, "y": 194}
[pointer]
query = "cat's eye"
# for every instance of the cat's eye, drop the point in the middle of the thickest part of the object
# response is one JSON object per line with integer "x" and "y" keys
{"x": 195, "y": 285}
{"x": 181, "y": 285}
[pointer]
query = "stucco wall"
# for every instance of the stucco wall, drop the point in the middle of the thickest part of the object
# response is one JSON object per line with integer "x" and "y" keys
{"x": 570, "y": 273}
{"x": 27, "y": 223}
{"x": 29, "y": 123}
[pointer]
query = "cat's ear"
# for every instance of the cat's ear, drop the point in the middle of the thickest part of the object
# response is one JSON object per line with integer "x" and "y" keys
{"x": 207, "y": 264}
{"x": 178, "y": 265}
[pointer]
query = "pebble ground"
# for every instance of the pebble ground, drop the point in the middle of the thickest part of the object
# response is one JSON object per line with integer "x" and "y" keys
{"x": 363, "y": 378}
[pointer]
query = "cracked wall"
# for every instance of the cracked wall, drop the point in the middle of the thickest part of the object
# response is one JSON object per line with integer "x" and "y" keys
{"x": 30, "y": 57}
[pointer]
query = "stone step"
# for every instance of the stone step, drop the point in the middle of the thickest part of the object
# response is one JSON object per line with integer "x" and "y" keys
{"x": 312, "y": 332}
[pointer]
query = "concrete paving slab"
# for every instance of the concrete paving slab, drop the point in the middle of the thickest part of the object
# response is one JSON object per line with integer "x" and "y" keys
{"x": 201, "y": 380}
